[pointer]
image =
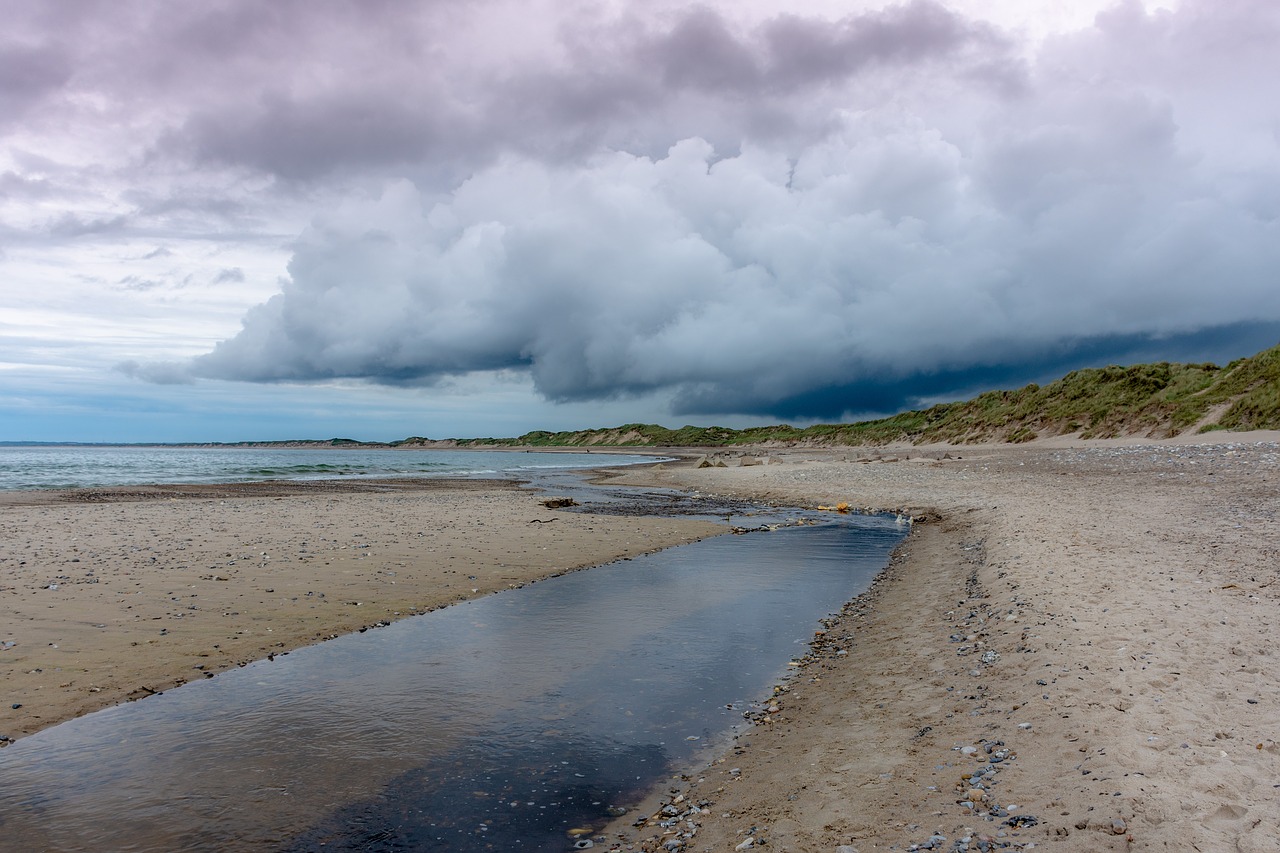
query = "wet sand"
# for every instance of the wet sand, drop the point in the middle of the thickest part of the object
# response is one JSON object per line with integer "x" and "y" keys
{"x": 1078, "y": 642}
{"x": 112, "y": 595}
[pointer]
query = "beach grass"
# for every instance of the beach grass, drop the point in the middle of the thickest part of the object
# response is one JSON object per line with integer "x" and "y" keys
{"x": 1158, "y": 400}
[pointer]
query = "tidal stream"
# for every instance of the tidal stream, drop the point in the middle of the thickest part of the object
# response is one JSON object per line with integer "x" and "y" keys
{"x": 524, "y": 720}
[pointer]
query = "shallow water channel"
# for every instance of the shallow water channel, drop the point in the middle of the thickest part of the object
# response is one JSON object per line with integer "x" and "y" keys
{"x": 501, "y": 723}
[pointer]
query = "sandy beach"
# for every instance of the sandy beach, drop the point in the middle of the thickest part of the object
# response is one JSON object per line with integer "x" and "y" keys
{"x": 1072, "y": 651}
{"x": 116, "y": 594}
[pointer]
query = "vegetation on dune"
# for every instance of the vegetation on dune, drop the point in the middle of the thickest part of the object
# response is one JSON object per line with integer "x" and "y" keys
{"x": 634, "y": 435}
{"x": 1155, "y": 400}
{"x": 1251, "y": 392}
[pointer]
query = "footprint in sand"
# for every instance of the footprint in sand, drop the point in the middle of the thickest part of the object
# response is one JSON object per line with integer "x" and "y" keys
{"x": 1226, "y": 816}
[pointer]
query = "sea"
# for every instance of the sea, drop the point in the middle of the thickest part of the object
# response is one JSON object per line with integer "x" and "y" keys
{"x": 78, "y": 466}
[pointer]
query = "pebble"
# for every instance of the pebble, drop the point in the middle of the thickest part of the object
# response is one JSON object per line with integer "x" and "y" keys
{"x": 747, "y": 844}
{"x": 1118, "y": 827}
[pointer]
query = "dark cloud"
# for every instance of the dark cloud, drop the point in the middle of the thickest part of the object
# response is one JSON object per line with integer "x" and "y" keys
{"x": 28, "y": 74}
{"x": 790, "y": 216}
{"x": 309, "y": 138}
{"x": 76, "y": 225}
{"x": 876, "y": 394}
{"x": 20, "y": 187}
{"x": 627, "y": 85}
{"x": 805, "y": 51}
{"x": 700, "y": 52}
{"x": 313, "y": 93}
{"x": 881, "y": 267}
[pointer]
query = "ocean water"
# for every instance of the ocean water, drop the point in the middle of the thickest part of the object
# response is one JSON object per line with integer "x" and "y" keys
{"x": 47, "y": 467}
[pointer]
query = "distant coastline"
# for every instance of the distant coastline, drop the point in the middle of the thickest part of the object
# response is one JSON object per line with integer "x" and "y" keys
{"x": 301, "y": 442}
{"x": 503, "y": 445}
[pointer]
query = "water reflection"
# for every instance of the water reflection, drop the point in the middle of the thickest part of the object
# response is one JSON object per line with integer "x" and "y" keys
{"x": 503, "y": 722}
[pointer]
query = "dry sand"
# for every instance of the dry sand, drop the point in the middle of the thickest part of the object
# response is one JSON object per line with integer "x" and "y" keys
{"x": 1102, "y": 618}
{"x": 116, "y": 594}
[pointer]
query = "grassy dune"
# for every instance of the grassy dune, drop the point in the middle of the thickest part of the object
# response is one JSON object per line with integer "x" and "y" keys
{"x": 1154, "y": 400}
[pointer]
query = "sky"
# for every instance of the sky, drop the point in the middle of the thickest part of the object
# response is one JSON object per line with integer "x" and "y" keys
{"x": 237, "y": 220}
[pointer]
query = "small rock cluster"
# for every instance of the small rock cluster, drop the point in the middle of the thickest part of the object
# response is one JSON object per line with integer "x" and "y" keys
{"x": 978, "y": 799}
{"x": 977, "y": 785}
{"x": 1261, "y": 455}
{"x": 677, "y": 818}
{"x": 965, "y": 844}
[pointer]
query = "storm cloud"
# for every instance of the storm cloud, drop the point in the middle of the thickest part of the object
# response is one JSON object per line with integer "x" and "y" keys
{"x": 629, "y": 83}
{"x": 936, "y": 230}
{"x": 719, "y": 207}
